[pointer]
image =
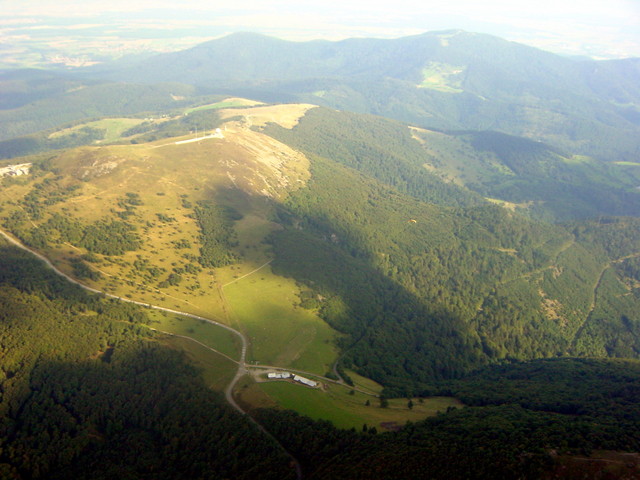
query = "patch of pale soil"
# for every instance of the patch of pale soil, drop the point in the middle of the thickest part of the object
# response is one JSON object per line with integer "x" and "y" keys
{"x": 286, "y": 116}
{"x": 510, "y": 205}
{"x": 243, "y": 101}
{"x": 510, "y": 251}
{"x": 284, "y": 168}
{"x": 551, "y": 308}
{"x": 424, "y": 130}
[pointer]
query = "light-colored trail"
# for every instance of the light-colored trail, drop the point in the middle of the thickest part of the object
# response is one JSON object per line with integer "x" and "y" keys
{"x": 247, "y": 274}
{"x": 596, "y": 287}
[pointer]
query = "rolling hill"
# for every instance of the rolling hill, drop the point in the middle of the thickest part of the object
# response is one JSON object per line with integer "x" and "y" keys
{"x": 438, "y": 80}
{"x": 423, "y": 279}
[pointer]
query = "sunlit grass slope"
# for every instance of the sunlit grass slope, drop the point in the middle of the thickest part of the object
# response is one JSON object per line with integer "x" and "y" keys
{"x": 152, "y": 192}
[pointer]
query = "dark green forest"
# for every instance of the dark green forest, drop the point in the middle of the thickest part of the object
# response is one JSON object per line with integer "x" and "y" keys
{"x": 429, "y": 292}
{"x": 90, "y": 101}
{"x": 378, "y": 147}
{"x": 218, "y": 236}
{"x": 558, "y": 186}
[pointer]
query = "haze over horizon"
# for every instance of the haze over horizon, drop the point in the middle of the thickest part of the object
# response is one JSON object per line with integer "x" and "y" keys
{"x": 96, "y": 30}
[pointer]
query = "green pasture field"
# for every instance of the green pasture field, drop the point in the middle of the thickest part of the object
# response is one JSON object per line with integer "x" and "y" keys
{"x": 346, "y": 410}
{"x": 216, "y": 370}
{"x": 577, "y": 159}
{"x": 508, "y": 205}
{"x": 635, "y": 164}
{"x": 216, "y": 337}
{"x": 113, "y": 127}
{"x": 280, "y": 333}
{"x": 264, "y": 305}
{"x": 224, "y": 104}
{"x": 364, "y": 383}
{"x": 441, "y": 77}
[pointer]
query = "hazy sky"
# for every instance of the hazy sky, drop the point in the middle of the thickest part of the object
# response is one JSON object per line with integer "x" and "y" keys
{"x": 599, "y": 28}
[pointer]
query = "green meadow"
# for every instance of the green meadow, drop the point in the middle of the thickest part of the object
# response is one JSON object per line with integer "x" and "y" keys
{"x": 229, "y": 103}
{"x": 113, "y": 128}
{"x": 441, "y": 77}
{"x": 280, "y": 333}
{"x": 211, "y": 335}
{"x": 364, "y": 383}
{"x": 216, "y": 370}
{"x": 264, "y": 305}
{"x": 344, "y": 409}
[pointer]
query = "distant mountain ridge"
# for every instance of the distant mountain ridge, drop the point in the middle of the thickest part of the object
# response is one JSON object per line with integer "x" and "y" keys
{"x": 449, "y": 79}
{"x": 256, "y": 58}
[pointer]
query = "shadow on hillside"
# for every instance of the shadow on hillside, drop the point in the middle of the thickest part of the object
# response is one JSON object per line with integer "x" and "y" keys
{"x": 145, "y": 414}
{"x": 395, "y": 338}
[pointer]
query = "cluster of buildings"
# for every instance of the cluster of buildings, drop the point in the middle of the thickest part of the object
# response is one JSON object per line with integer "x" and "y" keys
{"x": 296, "y": 378}
{"x": 15, "y": 170}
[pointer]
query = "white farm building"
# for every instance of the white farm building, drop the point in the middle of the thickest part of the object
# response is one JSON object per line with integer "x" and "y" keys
{"x": 294, "y": 377}
{"x": 305, "y": 381}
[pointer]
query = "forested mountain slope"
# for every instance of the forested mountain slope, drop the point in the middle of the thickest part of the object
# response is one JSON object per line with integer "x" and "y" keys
{"x": 323, "y": 236}
{"x": 456, "y": 289}
{"x": 486, "y": 253}
{"x": 24, "y": 86}
{"x": 85, "y": 388}
{"x": 443, "y": 80}
{"x": 530, "y": 177}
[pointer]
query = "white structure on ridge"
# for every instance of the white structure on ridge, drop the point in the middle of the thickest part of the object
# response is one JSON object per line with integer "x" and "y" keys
{"x": 15, "y": 170}
{"x": 279, "y": 375}
{"x": 218, "y": 134}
